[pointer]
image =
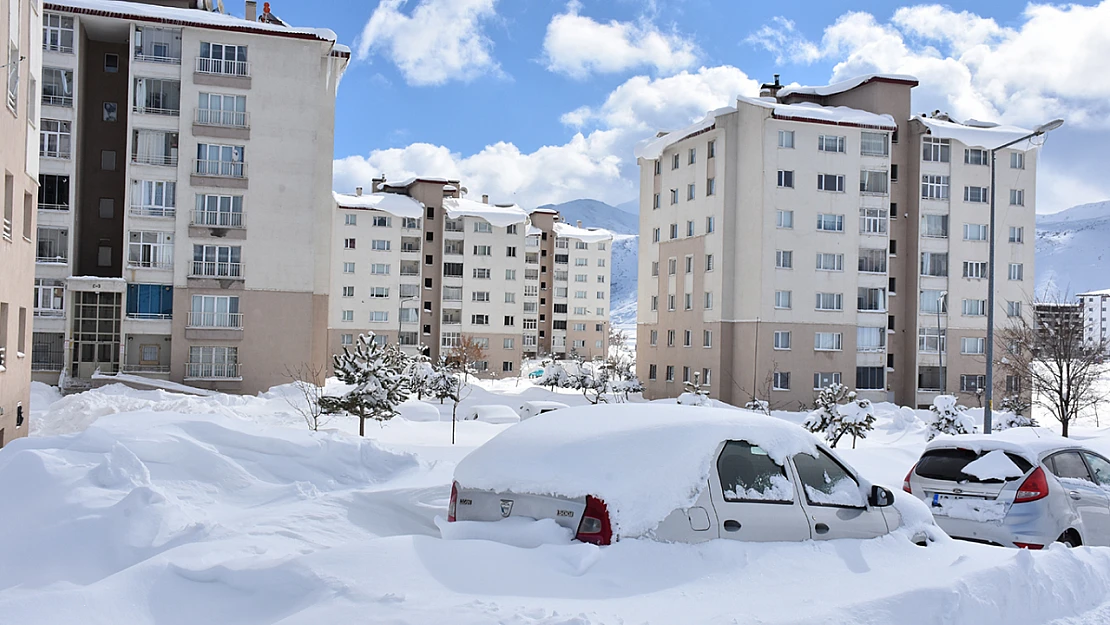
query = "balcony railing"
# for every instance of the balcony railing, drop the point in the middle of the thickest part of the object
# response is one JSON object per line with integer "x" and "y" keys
{"x": 218, "y": 219}
{"x": 150, "y": 58}
{"x": 55, "y": 153}
{"x": 57, "y": 100}
{"x": 214, "y": 117}
{"x": 141, "y": 316}
{"x": 410, "y": 248}
{"x": 162, "y": 369}
{"x": 154, "y": 211}
{"x": 150, "y": 264}
{"x": 162, "y": 160}
{"x": 410, "y": 272}
{"x": 49, "y": 312}
{"x": 223, "y": 67}
{"x": 214, "y": 269}
{"x": 54, "y": 207}
{"x": 217, "y": 320}
{"x": 7, "y": 231}
{"x": 212, "y": 371}
{"x": 54, "y": 363}
{"x": 57, "y": 47}
{"x": 52, "y": 260}
{"x": 153, "y": 110}
{"x": 221, "y": 169}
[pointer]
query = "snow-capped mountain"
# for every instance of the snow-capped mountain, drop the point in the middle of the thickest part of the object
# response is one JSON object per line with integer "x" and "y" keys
{"x": 595, "y": 214}
{"x": 622, "y": 287}
{"x": 1073, "y": 249}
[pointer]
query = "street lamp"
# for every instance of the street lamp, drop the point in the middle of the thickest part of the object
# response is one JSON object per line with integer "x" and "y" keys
{"x": 1040, "y": 130}
{"x": 400, "y": 310}
{"x": 942, "y": 341}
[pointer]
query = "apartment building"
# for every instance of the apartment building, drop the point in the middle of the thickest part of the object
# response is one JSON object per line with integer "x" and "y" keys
{"x": 21, "y": 67}
{"x": 146, "y": 105}
{"x": 417, "y": 262}
{"x": 759, "y": 223}
{"x": 1093, "y": 308}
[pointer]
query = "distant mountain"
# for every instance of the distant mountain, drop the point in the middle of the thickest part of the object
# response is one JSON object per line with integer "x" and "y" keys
{"x": 622, "y": 288}
{"x": 595, "y": 214}
{"x": 631, "y": 206}
{"x": 1073, "y": 249}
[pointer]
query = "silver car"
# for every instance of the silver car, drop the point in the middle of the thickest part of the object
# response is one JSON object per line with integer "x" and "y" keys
{"x": 1056, "y": 493}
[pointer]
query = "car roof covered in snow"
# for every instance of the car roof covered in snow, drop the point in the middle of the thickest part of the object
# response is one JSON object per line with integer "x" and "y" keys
{"x": 643, "y": 460}
{"x": 1029, "y": 443}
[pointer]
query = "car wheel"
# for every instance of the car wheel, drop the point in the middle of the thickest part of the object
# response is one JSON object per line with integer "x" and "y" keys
{"x": 1070, "y": 539}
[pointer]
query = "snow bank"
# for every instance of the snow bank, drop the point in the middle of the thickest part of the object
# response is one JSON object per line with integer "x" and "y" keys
{"x": 500, "y": 216}
{"x": 644, "y": 460}
{"x": 1029, "y": 443}
{"x": 516, "y": 531}
{"x": 392, "y": 203}
{"x": 416, "y": 410}
{"x": 977, "y": 136}
{"x": 530, "y": 409}
{"x": 588, "y": 235}
{"x": 993, "y": 465}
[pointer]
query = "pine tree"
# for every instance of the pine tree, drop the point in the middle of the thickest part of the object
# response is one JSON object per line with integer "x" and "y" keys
{"x": 554, "y": 376}
{"x": 445, "y": 383}
{"x": 418, "y": 372}
{"x": 375, "y": 372}
{"x": 592, "y": 380}
{"x": 840, "y": 412}
{"x": 949, "y": 418}
{"x": 694, "y": 393}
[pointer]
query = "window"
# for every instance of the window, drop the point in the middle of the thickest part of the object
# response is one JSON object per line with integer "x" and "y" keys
{"x": 934, "y": 226}
{"x": 709, "y": 262}
{"x": 929, "y": 378}
{"x": 934, "y": 264}
{"x": 57, "y": 87}
{"x": 870, "y": 339}
{"x": 709, "y": 223}
{"x": 874, "y": 143}
{"x": 710, "y": 186}
{"x": 219, "y": 210}
{"x": 747, "y": 473}
{"x": 510, "y": 274}
{"x": 111, "y": 63}
{"x": 380, "y": 245}
{"x": 348, "y": 315}
{"x": 689, "y": 264}
{"x": 830, "y": 262}
{"x": 479, "y": 320}
{"x": 220, "y": 160}
{"x": 214, "y": 311}
{"x": 827, "y": 341}
{"x": 784, "y": 259}
{"x": 933, "y": 301}
{"x": 654, "y": 302}
{"x": 975, "y": 232}
{"x": 150, "y": 249}
{"x": 509, "y": 320}
{"x": 481, "y": 226}
{"x": 670, "y": 373}
{"x": 1017, "y": 197}
{"x": 931, "y": 340}
{"x": 972, "y": 383}
{"x": 382, "y": 221}
{"x": 934, "y": 187}
{"x": 655, "y": 201}
{"x": 212, "y": 362}
{"x": 693, "y": 158}
{"x": 217, "y": 260}
{"x": 55, "y": 138}
{"x": 153, "y": 198}
{"x": 975, "y": 269}
{"x": 830, "y": 182}
{"x": 479, "y": 296}
{"x": 1016, "y": 271}
{"x": 975, "y": 307}
{"x": 672, "y": 266}
{"x": 221, "y": 58}
{"x": 675, "y": 160}
{"x": 782, "y": 339}
{"x": 157, "y": 96}
{"x": 690, "y": 191}
{"x": 655, "y": 235}
{"x": 935, "y": 150}
{"x": 786, "y": 138}
{"x": 510, "y": 251}
{"x": 674, "y": 196}
{"x": 827, "y": 222}
{"x": 870, "y": 299}
{"x": 976, "y": 156}
{"x": 781, "y": 381}
{"x": 1017, "y": 160}
{"x": 711, "y": 149}
{"x": 483, "y": 250}
{"x": 1013, "y": 309}
{"x": 826, "y": 483}
{"x": 709, "y": 300}
{"x": 581, "y": 277}
{"x": 218, "y": 109}
{"x": 481, "y": 273}
{"x": 52, "y": 245}
{"x": 689, "y": 228}
{"x": 1017, "y": 234}
{"x": 687, "y": 339}
{"x": 977, "y": 194}
{"x": 830, "y": 301}
{"x": 870, "y": 378}
{"x": 348, "y": 291}
{"x": 379, "y": 292}
{"x": 653, "y": 372}
{"x": 782, "y": 299}
{"x": 830, "y": 143}
{"x": 1013, "y": 384}
{"x": 972, "y": 345}
{"x": 873, "y": 182}
{"x": 784, "y": 219}
{"x": 346, "y": 339}
{"x": 50, "y": 297}
{"x": 688, "y": 301}
{"x": 350, "y": 220}
{"x": 872, "y": 260}
{"x": 454, "y": 270}
{"x": 786, "y": 179}
{"x": 823, "y": 379}
{"x": 53, "y": 192}
{"x": 57, "y": 32}
{"x": 670, "y": 338}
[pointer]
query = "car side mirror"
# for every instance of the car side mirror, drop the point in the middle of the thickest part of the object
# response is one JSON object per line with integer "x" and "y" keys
{"x": 880, "y": 497}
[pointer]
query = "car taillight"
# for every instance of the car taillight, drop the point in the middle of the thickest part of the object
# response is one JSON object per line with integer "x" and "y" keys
{"x": 1028, "y": 546}
{"x": 454, "y": 502}
{"x": 594, "y": 526}
{"x": 1033, "y": 488}
{"x": 906, "y": 482}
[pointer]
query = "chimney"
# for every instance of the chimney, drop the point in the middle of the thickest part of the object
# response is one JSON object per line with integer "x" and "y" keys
{"x": 377, "y": 183}
{"x": 252, "y": 10}
{"x": 770, "y": 90}
{"x": 358, "y": 191}
{"x": 485, "y": 198}
{"x": 579, "y": 223}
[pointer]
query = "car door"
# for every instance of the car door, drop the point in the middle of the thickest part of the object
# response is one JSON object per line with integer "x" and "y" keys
{"x": 1087, "y": 498}
{"x": 834, "y": 504}
{"x": 754, "y": 497}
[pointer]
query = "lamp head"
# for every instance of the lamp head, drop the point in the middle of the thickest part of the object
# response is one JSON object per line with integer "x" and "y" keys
{"x": 1052, "y": 125}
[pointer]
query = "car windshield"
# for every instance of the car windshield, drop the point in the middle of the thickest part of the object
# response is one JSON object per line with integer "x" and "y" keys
{"x": 948, "y": 465}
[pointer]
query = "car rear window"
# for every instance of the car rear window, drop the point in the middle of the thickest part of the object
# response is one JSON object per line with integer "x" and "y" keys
{"x": 948, "y": 465}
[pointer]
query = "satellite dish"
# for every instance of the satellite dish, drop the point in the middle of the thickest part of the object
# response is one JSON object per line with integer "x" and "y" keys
{"x": 208, "y": 5}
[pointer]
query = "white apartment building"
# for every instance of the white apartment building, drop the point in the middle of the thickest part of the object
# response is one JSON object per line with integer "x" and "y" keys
{"x": 20, "y": 67}
{"x": 416, "y": 262}
{"x": 184, "y": 202}
{"x": 761, "y": 223}
{"x": 1096, "y": 318}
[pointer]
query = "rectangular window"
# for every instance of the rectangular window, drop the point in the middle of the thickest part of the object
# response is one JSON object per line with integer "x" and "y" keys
{"x": 870, "y": 378}
{"x": 929, "y": 378}
{"x": 872, "y": 260}
{"x": 935, "y": 150}
{"x": 782, "y": 299}
{"x": 827, "y": 222}
{"x": 674, "y": 231}
{"x": 52, "y": 245}
{"x": 655, "y": 201}
{"x": 827, "y": 341}
{"x": 821, "y": 380}
{"x": 693, "y": 158}
{"x": 708, "y": 300}
{"x": 710, "y": 186}
{"x": 786, "y": 138}
{"x": 711, "y": 149}
{"x": 350, "y": 220}
{"x": 972, "y": 345}
{"x": 221, "y": 58}
{"x": 483, "y": 250}
{"x": 225, "y": 161}
{"x": 479, "y": 296}
{"x": 382, "y": 221}
{"x": 934, "y": 226}
{"x": 212, "y": 362}
{"x": 977, "y": 194}
{"x": 150, "y": 249}
{"x": 870, "y": 339}
{"x": 975, "y": 269}
{"x": 872, "y": 220}
{"x": 974, "y": 307}
{"x": 830, "y": 301}
{"x": 674, "y": 196}
{"x": 690, "y": 228}
{"x": 50, "y": 297}
{"x": 53, "y": 192}
{"x": 976, "y": 156}
{"x": 221, "y": 109}
{"x": 786, "y": 179}
{"x": 972, "y": 383}
{"x": 782, "y": 339}
{"x": 1013, "y": 309}
{"x": 870, "y": 299}
{"x": 1017, "y": 271}
{"x": 709, "y": 224}
{"x": 933, "y": 301}
{"x": 218, "y": 210}
{"x": 931, "y": 340}
{"x": 216, "y": 311}
{"x": 781, "y": 381}
{"x": 1017, "y": 197}
{"x": 690, "y": 191}
{"x": 784, "y": 219}
{"x": 655, "y": 235}
{"x": 57, "y": 87}
{"x": 874, "y": 143}
{"x": 57, "y": 32}
{"x": 55, "y": 138}
{"x": 934, "y": 187}
{"x": 709, "y": 262}
{"x": 975, "y": 232}
{"x": 830, "y": 262}
{"x": 348, "y": 291}
{"x": 934, "y": 264}
{"x": 481, "y": 273}
{"x": 156, "y": 96}
{"x": 1017, "y": 234}
{"x": 380, "y": 245}
{"x": 873, "y": 182}
{"x": 483, "y": 227}
{"x": 1017, "y": 160}
{"x": 784, "y": 259}
{"x": 379, "y": 292}
{"x": 653, "y": 371}
{"x": 831, "y": 143}
{"x": 830, "y": 182}
{"x": 453, "y": 270}
{"x": 479, "y": 320}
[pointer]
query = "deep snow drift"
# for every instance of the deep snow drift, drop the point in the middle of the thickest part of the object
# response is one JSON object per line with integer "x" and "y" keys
{"x": 228, "y": 510}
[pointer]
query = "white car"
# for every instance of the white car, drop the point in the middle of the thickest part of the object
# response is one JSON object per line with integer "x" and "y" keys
{"x": 531, "y": 409}
{"x": 673, "y": 473}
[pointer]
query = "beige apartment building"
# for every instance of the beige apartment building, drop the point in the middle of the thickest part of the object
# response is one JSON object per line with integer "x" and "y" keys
{"x": 184, "y": 194}
{"x": 1094, "y": 309}
{"x": 417, "y": 262}
{"x": 760, "y": 225}
{"x": 20, "y": 65}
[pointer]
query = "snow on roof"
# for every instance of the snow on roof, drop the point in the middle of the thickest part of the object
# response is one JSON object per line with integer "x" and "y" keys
{"x": 392, "y": 203}
{"x": 652, "y": 149}
{"x": 499, "y": 216}
{"x": 845, "y": 85}
{"x": 408, "y": 182}
{"x": 184, "y": 17}
{"x": 978, "y": 135}
{"x": 1102, "y": 293}
{"x": 532, "y": 231}
{"x": 1029, "y": 443}
{"x": 643, "y": 460}
{"x": 810, "y": 112}
{"x": 588, "y": 235}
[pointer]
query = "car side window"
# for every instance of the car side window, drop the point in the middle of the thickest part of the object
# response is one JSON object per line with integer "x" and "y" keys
{"x": 1069, "y": 464}
{"x": 826, "y": 483}
{"x": 1100, "y": 467}
{"x": 747, "y": 473}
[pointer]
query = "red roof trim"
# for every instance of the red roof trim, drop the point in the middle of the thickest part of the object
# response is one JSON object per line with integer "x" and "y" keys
{"x": 827, "y": 122}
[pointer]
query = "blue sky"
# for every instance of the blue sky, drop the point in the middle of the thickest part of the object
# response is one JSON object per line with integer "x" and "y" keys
{"x": 475, "y": 88}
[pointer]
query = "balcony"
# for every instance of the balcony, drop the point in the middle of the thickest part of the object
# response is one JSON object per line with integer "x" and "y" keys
{"x": 62, "y": 152}
{"x": 213, "y": 371}
{"x": 220, "y": 169}
{"x": 65, "y": 101}
{"x": 48, "y": 260}
{"x": 160, "y": 160}
{"x": 54, "y": 207}
{"x": 216, "y": 219}
{"x": 154, "y": 110}
{"x": 145, "y": 369}
{"x": 223, "y": 67}
{"x": 215, "y": 269}
{"x": 49, "y": 313}
{"x": 215, "y": 320}
{"x": 150, "y": 264}
{"x": 228, "y": 119}
{"x": 57, "y": 47}
{"x": 168, "y": 212}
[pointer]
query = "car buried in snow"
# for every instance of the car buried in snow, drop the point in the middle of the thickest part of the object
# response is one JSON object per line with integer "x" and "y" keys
{"x": 1022, "y": 487}
{"x": 670, "y": 473}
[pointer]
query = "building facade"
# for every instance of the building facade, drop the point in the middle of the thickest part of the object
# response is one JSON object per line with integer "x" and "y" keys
{"x": 1094, "y": 307}
{"x": 21, "y": 67}
{"x": 760, "y": 223}
{"x": 184, "y": 201}
{"x": 416, "y": 262}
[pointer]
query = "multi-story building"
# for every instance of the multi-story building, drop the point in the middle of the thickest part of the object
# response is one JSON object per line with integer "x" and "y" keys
{"x": 752, "y": 250}
{"x": 146, "y": 105}
{"x": 20, "y": 65}
{"x": 1094, "y": 307}
{"x": 416, "y": 262}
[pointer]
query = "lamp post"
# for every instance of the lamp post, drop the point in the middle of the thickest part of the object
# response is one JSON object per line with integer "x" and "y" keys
{"x": 400, "y": 309}
{"x": 1040, "y": 130}
{"x": 942, "y": 342}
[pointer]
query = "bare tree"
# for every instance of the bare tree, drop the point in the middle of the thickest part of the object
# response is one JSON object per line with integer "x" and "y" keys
{"x": 308, "y": 379}
{"x": 465, "y": 354}
{"x": 1047, "y": 354}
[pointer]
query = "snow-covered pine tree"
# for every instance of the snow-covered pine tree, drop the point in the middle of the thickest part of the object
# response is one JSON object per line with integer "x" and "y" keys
{"x": 419, "y": 372}
{"x": 857, "y": 418}
{"x": 949, "y": 418}
{"x": 1007, "y": 420}
{"x": 446, "y": 383}
{"x": 592, "y": 380}
{"x": 694, "y": 393}
{"x": 554, "y": 376}
{"x": 825, "y": 418}
{"x": 375, "y": 372}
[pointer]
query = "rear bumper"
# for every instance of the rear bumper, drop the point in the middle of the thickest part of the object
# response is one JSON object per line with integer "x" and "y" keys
{"x": 1024, "y": 523}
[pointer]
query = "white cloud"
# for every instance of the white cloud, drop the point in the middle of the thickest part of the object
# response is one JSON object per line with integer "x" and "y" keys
{"x": 595, "y": 163}
{"x": 579, "y": 46}
{"x": 441, "y": 41}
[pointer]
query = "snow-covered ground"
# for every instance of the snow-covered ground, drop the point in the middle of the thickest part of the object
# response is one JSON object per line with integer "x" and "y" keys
{"x": 147, "y": 507}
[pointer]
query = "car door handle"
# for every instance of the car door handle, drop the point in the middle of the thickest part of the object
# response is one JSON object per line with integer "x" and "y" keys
{"x": 1074, "y": 494}
{"x": 732, "y": 526}
{"x": 821, "y": 528}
